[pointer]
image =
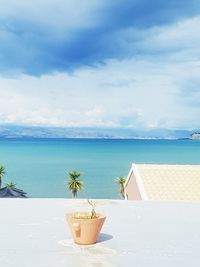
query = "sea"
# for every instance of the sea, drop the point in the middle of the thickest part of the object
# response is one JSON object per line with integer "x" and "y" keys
{"x": 40, "y": 166}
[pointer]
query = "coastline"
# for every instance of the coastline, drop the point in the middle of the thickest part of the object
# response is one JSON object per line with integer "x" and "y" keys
{"x": 90, "y": 138}
{"x": 20, "y": 131}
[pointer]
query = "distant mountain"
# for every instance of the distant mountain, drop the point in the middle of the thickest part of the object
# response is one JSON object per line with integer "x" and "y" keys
{"x": 16, "y": 131}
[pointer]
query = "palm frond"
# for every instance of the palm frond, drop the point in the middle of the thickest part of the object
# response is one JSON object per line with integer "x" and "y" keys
{"x": 2, "y": 170}
{"x": 74, "y": 184}
{"x": 11, "y": 184}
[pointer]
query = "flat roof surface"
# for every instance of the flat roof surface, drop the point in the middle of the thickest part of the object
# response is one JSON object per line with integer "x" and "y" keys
{"x": 34, "y": 233}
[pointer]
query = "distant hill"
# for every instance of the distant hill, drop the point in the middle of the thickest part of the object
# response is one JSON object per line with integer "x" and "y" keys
{"x": 16, "y": 131}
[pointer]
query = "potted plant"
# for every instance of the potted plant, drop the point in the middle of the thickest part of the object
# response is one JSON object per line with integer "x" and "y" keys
{"x": 85, "y": 226}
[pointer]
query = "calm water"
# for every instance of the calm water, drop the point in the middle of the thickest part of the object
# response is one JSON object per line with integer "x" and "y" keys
{"x": 40, "y": 167}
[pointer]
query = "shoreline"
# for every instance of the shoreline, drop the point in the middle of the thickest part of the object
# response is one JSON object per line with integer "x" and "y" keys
{"x": 95, "y": 138}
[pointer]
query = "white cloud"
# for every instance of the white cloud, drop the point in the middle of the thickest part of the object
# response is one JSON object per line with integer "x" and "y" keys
{"x": 149, "y": 90}
{"x": 179, "y": 41}
{"x": 54, "y": 14}
{"x": 152, "y": 97}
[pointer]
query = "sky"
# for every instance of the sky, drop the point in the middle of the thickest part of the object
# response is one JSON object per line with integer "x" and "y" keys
{"x": 111, "y": 64}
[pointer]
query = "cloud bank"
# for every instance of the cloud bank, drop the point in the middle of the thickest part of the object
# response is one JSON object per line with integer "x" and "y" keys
{"x": 132, "y": 64}
{"x": 41, "y": 37}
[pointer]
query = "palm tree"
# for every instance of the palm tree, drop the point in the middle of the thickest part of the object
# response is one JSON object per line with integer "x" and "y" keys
{"x": 121, "y": 181}
{"x": 74, "y": 183}
{"x": 11, "y": 185}
{"x": 2, "y": 173}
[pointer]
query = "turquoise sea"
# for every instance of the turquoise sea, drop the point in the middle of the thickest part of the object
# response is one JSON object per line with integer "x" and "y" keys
{"x": 40, "y": 166}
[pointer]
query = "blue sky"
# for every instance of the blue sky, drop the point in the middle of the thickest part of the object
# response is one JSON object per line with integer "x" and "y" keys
{"x": 114, "y": 63}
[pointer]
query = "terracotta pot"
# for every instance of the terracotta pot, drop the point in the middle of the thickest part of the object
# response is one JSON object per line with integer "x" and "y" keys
{"x": 85, "y": 231}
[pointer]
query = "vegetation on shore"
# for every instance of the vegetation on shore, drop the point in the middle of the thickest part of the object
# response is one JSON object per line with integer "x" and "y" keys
{"x": 74, "y": 183}
{"x": 2, "y": 173}
{"x": 10, "y": 189}
{"x": 121, "y": 181}
{"x": 11, "y": 185}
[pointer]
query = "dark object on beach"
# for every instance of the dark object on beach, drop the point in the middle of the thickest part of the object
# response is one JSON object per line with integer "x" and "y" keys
{"x": 12, "y": 192}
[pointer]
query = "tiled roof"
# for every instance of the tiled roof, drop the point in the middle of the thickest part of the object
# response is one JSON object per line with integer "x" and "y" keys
{"x": 171, "y": 182}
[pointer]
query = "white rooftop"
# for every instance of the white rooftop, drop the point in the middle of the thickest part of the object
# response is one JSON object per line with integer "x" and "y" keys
{"x": 33, "y": 233}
